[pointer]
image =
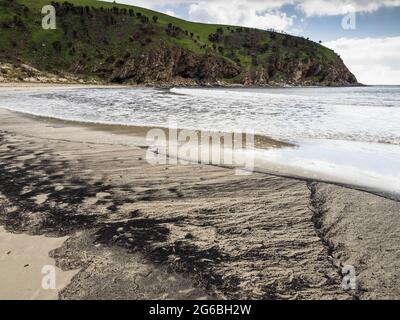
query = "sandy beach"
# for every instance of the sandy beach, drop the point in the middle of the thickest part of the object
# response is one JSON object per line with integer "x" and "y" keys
{"x": 24, "y": 264}
{"x": 121, "y": 228}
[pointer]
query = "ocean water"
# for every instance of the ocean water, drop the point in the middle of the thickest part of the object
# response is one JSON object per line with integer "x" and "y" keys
{"x": 344, "y": 135}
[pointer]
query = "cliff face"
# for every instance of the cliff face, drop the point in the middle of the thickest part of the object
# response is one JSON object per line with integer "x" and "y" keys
{"x": 125, "y": 44}
{"x": 177, "y": 66}
{"x": 172, "y": 65}
{"x": 306, "y": 74}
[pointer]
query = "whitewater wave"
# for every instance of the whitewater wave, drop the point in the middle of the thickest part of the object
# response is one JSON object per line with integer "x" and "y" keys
{"x": 229, "y": 94}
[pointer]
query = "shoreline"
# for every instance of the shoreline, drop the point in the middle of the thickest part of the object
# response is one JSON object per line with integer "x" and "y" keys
{"x": 139, "y": 131}
{"x": 170, "y": 86}
{"x": 261, "y": 142}
{"x": 138, "y": 231}
{"x": 20, "y": 86}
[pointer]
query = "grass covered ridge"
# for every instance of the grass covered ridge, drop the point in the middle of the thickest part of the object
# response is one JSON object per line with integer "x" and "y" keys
{"x": 95, "y": 38}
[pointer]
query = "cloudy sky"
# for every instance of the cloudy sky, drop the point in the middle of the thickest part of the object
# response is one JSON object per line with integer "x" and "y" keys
{"x": 366, "y": 33}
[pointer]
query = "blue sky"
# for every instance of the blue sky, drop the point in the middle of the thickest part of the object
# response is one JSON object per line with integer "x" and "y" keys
{"x": 366, "y": 33}
{"x": 382, "y": 23}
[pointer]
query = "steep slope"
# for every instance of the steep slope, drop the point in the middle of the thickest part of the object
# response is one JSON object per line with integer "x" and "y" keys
{"x": 126, "y": 44}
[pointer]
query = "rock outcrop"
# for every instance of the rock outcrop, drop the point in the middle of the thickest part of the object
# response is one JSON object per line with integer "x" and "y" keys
{"x": 20, "y": 72}
{"x": 171, "y": 65}
{"x": 296, "y": 73}
{"x": 176, "y": 66}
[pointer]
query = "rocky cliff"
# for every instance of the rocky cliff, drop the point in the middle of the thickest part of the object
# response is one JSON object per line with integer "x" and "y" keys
{"x": 178, "y": 66}
{"x": 172, "y": 65}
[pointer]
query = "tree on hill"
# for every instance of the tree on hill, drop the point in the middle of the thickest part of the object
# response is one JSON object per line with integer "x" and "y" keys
{"x": 144, "y": 19}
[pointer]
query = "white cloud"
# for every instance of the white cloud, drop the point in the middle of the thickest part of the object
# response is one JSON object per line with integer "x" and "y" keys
{"x": 261, "y": 14}
{"x": 340, "y": 7}
{"x": 372, "y": 60}
{"x": 240, "y": 12}
{"x": 309, "y": 7}
{"x": 265, "y": 4}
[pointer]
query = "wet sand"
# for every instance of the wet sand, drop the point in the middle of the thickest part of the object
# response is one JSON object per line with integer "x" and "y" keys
{"x": 138, "y": 231}
{"x": 25, "y": 264}
{"x": 23, "y": 86}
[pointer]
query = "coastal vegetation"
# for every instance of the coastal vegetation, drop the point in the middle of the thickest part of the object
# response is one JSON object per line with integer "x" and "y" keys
{"x": 126, "y": 44}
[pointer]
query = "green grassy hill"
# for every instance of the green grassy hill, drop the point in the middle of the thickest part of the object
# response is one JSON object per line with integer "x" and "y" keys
{"x": 127, "y": 44}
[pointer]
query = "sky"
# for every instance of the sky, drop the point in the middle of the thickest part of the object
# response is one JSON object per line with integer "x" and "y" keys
{"x": 365, "y": 33}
